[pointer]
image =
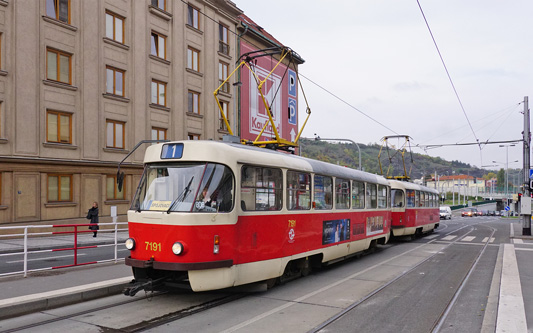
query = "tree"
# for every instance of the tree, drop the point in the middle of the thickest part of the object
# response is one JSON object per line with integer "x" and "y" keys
{"x": 500, "y": 178}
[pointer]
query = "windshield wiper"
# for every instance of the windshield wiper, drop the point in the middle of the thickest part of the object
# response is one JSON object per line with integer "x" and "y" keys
{"x": 183, "y": 195}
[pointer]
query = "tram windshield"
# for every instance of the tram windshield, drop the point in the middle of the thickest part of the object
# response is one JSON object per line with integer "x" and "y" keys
{"x": 200, "y": 187}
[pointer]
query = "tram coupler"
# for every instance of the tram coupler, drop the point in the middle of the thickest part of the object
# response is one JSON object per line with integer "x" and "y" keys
{"x": 140, "y": 285}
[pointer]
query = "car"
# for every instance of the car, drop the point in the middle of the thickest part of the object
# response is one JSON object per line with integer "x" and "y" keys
{"x": 445, "y": 213}
{"x": 470, "y": 212}
{"x": 491, "y": 213}
{"x": 497, "y": 213}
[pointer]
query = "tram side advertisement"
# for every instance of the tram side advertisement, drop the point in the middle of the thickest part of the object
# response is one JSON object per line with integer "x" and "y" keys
{"x": 335, "y": 231}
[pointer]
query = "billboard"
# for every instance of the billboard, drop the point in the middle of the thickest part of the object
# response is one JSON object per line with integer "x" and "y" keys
{"x": 280, "y": 90}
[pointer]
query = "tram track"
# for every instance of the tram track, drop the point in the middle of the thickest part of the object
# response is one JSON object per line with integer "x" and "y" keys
{"x": 439, "y": 321}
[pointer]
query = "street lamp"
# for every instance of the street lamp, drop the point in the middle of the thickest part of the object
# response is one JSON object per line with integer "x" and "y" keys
{"x": 506, "y": 169}
{"x": 318, "y": 138}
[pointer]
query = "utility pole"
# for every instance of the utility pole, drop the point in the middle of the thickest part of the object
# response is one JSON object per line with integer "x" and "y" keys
{"x": 526, "y": 226}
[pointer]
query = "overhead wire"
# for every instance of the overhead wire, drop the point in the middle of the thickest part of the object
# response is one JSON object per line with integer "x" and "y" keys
{"x": 448, "y": 74}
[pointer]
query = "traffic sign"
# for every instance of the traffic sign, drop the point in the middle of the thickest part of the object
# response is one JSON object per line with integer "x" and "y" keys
{"x": 507, "y": 208}
{"x": 530, "y": 173}
{"x": 531, "y": 183}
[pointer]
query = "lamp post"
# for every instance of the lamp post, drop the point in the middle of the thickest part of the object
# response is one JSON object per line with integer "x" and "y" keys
{"x": 318, "y": 138}
{"x": 506, "y": 169}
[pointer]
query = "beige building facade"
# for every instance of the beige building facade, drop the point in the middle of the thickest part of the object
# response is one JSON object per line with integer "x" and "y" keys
{"x": 83, "y": 81}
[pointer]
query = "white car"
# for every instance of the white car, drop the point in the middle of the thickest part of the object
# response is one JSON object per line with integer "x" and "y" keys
{"x": 445, "y": 213}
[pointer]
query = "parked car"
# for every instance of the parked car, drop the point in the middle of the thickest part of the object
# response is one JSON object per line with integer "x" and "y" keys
{"x": 470, "y": 212}
{"x": 497, "y": 213}
{"x": 445, "y": 213}
{"x": 491, "y": 213}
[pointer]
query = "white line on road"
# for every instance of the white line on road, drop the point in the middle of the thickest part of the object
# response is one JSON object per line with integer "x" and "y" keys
{"x": 431, "y": 236}
{"x": 518, "y": 241}
{"x": 46, "y": 258}
{"x": 511, "y": 310}
{"x": 487, "y": 239}
{"x": 449, "y": 238}
{"x": 468, "y": 238}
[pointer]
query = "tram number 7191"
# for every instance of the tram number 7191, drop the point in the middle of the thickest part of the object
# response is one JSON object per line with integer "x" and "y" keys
{"x": 153, "y": 246}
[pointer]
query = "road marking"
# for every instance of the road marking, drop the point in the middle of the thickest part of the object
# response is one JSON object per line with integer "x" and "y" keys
{"x": 431, "y": 236}
{"x": 522, "y": 249}
{"x": 511, "y": 310}
{"x": 449, "y": 238}
{"x": 518, "y": 241}
{"x": 486, "y": 239}
{"x": 45, "y": 258}
{"x": 468, "y": 238}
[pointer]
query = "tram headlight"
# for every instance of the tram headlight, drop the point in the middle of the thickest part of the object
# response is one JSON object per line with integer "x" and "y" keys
{"x": 130, "y": 243}
{"x": 177, "y": 248}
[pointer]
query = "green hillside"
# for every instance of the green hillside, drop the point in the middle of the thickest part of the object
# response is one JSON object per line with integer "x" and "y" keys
{"x": 346, "y": 154}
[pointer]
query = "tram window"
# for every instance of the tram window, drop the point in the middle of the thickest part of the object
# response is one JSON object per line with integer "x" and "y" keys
{"x": 298, "y": 190}
{"x": 216, "y": 190}
{"x": 411, "y": 198}
{"x": 358, "y": 195}
{"x": 397, "y": 198}
{"x": 261, "y": 188}
{"x": 371, "y": 196}
{"x": 323, "y": 192}
{"x": 417, "y": 199}
{"x": 382, "y": 196}
{"x": 342, "y": 193}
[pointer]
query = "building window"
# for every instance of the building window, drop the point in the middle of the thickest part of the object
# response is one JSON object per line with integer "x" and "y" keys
{"x": 159, "y": 93}
{"x": 59, "y": 10}
{"x": 114, "y": 27}
{"x": 159, "y": 45}
{"x": 58, "y": 66}
{"x": 222, "y": 75}
{"x": 223, "y": 46}
{"x": 159, "y": 133}
{"x": 193, "y": 17}
{"x": 224, "y": 106}
{"x": 115, "y": 134}
{"x": 161, "y": 4}
{"x": 193, "y": 59}
{"x": 193, "y": 102}
{"x": 59, "y": 188}
{"x": 58, "y": 127}
{"x": 112, "y": 189}
{"x": 194, "y": 136}
{"x": 115, "y": 81}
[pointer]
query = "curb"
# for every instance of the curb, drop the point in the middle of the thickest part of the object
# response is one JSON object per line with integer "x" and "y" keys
{"x": 17, "y": 306}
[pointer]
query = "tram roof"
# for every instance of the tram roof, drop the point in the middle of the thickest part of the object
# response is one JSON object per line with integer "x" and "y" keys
{"x": 231, "y": 153}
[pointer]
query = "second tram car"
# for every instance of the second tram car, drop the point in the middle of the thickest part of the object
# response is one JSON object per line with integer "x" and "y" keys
{"x": 415, "y": 209}
{"x": 219, "y": 214}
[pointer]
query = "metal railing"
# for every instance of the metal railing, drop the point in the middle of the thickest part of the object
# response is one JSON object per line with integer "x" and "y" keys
{"x": 26, "y": 239}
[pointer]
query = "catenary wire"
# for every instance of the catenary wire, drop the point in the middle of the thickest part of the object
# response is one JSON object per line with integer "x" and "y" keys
{"x": 448, "y": 74}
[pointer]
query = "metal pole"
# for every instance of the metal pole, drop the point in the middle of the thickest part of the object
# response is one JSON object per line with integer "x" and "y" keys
{"x": 25, "y": 251}
{"x": 351, "y": 141}
{"x": 526, "y": 226}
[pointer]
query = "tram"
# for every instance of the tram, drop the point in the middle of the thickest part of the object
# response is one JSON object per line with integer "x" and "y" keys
{"x": 415, "y": 209}
{"x": 217, "y": 214}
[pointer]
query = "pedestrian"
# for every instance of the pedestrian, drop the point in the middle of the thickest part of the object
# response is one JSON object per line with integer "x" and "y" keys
{"x": 92, "y": 215}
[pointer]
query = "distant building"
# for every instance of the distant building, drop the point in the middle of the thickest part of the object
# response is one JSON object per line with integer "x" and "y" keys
{"x": 82, "y": 82}
{"x": 463, "y": 184}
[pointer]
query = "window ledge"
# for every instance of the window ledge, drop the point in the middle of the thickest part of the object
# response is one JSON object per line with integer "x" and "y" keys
{"x": 59, "y": 145}
{"x": 224, "y": 94}
{"x": 60, "y": 204}
{"x": 192, "y": 71}
{"x": 116, "y": 150}
{"x": 116, "y": 98}
{"x": 3, "y": 3}
{"x": 115, "y": 43}
{"x": 194, "y": 29}
{"x": 227, "y": 56}
{"x": 3, "y": 72}
{"x": 222, "y": 131}
{"x": 2, "y": 141}
{"x": 160, "y": 12}
{"x": 3, "y": 207}
{"x": 159, "y": 107}
{"x": 116, "y": 202}
{"x": 156, "y": 58}
{"x": 60, "y": 85}
{"x": 195, "y": 115}
{"x": 60, "y": 23}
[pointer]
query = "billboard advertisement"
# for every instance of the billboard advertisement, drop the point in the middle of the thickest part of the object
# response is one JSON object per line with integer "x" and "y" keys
{"x": 280, "y": 90}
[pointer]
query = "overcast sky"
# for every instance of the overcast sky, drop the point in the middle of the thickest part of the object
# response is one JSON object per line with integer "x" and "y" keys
{"x": 378, "y": 56}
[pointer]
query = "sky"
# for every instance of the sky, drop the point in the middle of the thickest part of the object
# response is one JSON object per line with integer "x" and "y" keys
{"x": 375, "y": 71}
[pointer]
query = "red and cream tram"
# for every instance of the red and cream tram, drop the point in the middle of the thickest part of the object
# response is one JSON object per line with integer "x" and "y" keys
{"x": 415, "y": 209}
{"x": 220, "y": 214}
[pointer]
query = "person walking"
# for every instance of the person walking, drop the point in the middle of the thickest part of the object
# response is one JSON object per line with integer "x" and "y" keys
{"x": 92, "y": 215}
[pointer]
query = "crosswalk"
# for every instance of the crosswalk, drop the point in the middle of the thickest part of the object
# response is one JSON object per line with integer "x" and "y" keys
{"x": 474, "y": 239}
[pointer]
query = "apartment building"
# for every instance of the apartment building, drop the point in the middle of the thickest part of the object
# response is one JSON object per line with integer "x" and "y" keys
{"x": 82, "y": 82}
